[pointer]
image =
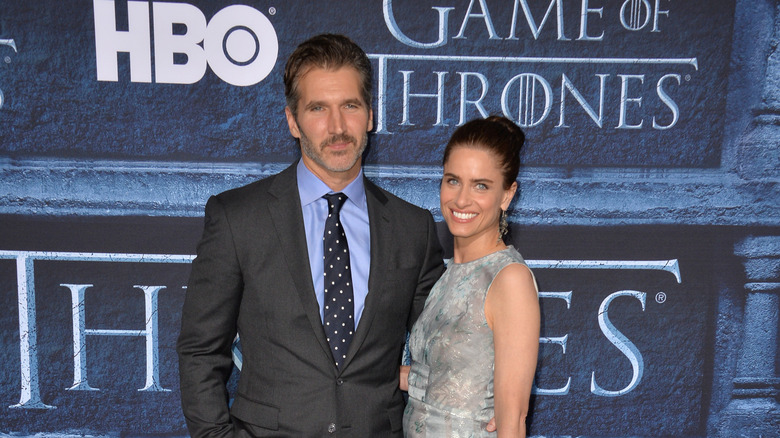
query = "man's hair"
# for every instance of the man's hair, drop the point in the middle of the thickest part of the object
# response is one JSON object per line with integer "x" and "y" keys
{"x": 330, "y": 52}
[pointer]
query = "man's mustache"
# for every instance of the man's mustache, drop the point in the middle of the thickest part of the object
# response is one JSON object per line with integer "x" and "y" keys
{"x": 339, "y": 138}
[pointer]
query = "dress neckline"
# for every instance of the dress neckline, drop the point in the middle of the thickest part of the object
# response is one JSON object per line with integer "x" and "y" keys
{"x": 451, "y": 261}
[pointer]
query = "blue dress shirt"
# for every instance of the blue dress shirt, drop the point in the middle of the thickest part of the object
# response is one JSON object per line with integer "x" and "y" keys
{"x": 354, "y": 218}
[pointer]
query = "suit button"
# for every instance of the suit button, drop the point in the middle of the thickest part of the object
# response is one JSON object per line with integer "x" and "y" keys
{"x": 339, "y": 382}
{"x": 332, "y": 428}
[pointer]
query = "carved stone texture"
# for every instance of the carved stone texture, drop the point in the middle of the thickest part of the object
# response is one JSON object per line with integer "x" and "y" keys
{"x": 754, "y": 403}
{"x": 759, "y": 151}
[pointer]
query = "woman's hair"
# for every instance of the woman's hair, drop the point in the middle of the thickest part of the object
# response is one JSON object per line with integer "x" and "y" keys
{"x": 330, "y": 52}
{"x": 495, "y": 134}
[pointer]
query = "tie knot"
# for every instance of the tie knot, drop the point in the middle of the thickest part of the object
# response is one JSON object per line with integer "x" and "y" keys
{"x": 335, "y": 201}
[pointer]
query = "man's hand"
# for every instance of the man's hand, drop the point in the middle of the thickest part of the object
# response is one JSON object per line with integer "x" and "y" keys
{"x": 491, "y": 427}
{"x": 404, "y": 378}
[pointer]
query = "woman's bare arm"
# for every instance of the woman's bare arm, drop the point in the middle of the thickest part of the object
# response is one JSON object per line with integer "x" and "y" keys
{"x": 512, "y": 312}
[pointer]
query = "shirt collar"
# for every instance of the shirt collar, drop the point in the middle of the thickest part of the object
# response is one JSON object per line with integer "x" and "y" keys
{"x": 311, "y": 188}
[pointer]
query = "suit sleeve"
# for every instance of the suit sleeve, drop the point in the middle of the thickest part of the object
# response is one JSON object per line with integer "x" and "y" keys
{"x": 209, "y": 327}
{"x": 431, "y": 269}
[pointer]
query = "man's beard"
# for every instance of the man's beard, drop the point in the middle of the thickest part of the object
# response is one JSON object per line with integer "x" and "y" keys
{"x": 316, "y": 154}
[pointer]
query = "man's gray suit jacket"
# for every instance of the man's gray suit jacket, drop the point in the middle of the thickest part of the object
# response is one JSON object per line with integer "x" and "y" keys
{"x": 251, "y": 277}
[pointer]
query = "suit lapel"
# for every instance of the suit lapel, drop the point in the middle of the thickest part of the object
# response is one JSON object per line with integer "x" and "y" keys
{"x": 285, "y": 211}
{"x": 381, "y": 243}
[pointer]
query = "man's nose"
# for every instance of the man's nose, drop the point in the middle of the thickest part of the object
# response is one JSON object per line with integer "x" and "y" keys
{"x": 336, "y": 122}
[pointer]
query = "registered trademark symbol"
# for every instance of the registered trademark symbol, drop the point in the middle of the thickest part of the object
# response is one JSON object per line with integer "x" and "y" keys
{"x": 687, "y": 78}
{"x": 660, "y": 297}
{"x": 272, "y": 11}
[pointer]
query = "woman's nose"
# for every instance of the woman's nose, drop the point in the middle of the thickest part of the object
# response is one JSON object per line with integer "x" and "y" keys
{"x": 462, "y": 199}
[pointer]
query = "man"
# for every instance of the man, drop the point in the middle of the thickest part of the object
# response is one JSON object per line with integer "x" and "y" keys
{"x": 262, "y": 269}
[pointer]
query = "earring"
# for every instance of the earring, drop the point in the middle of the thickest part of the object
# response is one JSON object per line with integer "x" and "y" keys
{"x": 503, "y": 226}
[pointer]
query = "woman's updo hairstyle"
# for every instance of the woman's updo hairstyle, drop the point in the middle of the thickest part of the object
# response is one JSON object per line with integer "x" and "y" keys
{"x": 495, "y": 134}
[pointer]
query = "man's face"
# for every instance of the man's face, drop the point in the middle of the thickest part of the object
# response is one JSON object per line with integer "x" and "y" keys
{"x": 332, "y": 123}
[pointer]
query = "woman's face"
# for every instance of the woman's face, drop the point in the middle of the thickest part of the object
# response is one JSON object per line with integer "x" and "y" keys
{"x": 472, "y": 193}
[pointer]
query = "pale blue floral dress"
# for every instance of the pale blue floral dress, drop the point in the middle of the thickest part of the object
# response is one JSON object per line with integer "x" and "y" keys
{"x": 451, "y": 346}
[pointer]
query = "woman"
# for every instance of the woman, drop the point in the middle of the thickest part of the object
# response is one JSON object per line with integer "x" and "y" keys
{"x": 474, "y": 347}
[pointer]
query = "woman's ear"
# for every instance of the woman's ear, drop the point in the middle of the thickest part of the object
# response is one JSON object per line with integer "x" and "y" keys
{"x": 508, "y": 195}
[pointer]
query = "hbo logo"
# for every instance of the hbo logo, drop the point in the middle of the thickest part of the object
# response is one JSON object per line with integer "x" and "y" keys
{"x": 239, "y": 43}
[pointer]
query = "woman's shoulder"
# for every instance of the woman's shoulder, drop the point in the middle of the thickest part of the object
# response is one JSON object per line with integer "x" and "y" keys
{"x": 513, "y": 274}
{"x": 505, "y": 258}
{"x": 512, "y": 294}
{"x": 516, "y": 273}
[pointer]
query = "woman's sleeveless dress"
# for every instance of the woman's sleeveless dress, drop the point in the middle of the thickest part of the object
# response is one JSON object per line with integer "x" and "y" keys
{"x": 451, "y": 346}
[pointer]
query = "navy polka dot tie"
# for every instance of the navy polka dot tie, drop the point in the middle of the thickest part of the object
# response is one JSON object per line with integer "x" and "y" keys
{"x": 339, "y": 321}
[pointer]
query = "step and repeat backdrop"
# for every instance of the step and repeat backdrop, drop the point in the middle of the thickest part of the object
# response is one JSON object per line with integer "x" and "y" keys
{"x": 649, "y": 201}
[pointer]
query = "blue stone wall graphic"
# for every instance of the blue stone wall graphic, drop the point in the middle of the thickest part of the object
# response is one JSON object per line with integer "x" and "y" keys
{"x": 649, "y": 202}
